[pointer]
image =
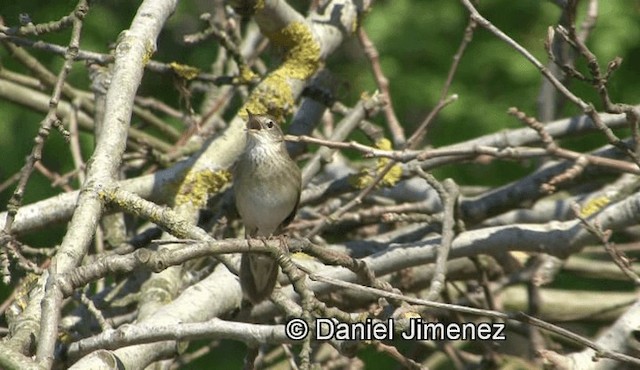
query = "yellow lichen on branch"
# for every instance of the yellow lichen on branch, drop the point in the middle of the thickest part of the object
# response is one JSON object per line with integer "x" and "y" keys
{"x": 364, "y": 178}
{"x": 197, "y": 186}
{"x": 594, "y": 205}
{"x": 274, "y": 95}
{"x": 303, "y": 55}
{"x": 184, "y": 71}
{"x": 246, "y": 75}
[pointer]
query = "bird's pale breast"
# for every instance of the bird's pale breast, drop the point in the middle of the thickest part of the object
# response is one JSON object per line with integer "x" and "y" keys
{"x": 269, "y": 188}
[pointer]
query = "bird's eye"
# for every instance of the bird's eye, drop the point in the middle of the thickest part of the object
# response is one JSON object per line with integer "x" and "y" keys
{"x": 270, "y": 123}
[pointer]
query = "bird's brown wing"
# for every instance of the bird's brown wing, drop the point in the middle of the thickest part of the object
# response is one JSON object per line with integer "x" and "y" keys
{"x": 292, "y": 215}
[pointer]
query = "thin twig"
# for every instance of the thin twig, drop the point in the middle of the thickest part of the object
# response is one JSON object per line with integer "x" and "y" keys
{"x": 397, "y": 132}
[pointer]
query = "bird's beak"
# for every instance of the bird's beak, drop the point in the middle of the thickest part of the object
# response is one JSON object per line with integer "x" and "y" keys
{"x": 253, "y": 124}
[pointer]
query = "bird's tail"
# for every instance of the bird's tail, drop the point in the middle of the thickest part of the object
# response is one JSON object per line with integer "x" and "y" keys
{"x": 258, "y": 276}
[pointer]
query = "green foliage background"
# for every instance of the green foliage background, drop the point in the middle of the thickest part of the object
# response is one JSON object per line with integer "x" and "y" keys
{"x": 416, "y": 41}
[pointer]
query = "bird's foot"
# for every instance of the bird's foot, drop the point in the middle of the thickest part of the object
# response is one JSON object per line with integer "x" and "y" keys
{"x": 284, "y": 243}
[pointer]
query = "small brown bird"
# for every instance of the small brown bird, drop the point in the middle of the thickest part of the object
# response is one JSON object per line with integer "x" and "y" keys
{"x": 267, "y": 186}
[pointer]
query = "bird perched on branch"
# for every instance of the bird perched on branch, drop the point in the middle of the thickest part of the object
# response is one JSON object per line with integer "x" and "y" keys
{"x": 267, "y": 185}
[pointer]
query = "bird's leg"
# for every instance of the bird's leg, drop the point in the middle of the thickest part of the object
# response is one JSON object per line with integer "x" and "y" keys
{"x": 247, "y": 236}
{"x": 264, "y": 240}
{"x": 284, "y": 244}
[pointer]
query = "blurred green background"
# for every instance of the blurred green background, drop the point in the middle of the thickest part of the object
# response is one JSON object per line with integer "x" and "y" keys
{"x": 416, "y": 41}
